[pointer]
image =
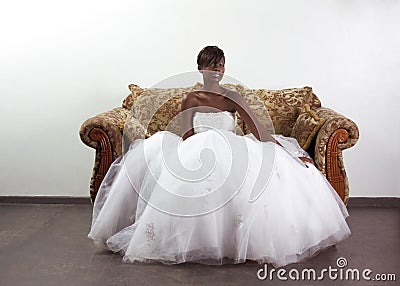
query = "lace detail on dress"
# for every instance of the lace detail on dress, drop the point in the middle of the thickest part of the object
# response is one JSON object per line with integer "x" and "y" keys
{"x": 238, "y": 220}
{"x": 224, "y": 120}
{"x": 149, "y": 232}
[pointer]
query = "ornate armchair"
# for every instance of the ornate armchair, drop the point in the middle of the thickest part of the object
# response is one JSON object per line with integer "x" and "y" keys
{"x": 294, "y": 112}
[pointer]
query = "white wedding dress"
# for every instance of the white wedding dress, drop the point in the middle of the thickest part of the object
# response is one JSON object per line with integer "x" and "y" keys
{"x": 216, "y": 198}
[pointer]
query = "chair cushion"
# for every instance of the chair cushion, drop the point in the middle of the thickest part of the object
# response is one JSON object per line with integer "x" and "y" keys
{"x": 260, "y": 110}
{"x": 136, "y": 91}
{"x": 306, "y": 127}
{"x": 157, "y": 107}
{"x": 284, "y": 106}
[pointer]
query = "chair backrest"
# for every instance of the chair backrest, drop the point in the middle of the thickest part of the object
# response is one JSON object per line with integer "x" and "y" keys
{"x": 158, "y": 108}
{"x": 285, "y": 105}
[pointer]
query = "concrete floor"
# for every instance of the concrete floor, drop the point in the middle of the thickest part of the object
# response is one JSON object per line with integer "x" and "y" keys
{"x": 47, "y": 245}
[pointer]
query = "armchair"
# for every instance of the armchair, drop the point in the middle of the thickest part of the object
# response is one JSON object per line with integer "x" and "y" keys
{"x": 294, "y": 112}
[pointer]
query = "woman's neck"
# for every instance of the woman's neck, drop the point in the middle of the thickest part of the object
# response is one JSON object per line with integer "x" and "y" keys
{"x": 213, "y": 87}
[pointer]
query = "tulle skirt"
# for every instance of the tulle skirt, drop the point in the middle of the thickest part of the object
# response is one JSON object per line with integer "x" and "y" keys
{"x": 215, "y": 198}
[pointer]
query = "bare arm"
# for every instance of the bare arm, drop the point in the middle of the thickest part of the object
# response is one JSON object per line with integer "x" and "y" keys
{"x": 251, "y": 120}
{"x": 187, "y": 111}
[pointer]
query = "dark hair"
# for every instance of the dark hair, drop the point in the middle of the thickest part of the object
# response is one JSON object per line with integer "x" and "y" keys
{"x": 209, "y": 56}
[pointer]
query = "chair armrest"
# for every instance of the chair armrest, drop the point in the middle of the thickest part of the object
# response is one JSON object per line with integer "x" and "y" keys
{"x": 103, "y": 132}
{"x": 336, "y": 134}
{"x": 110, "y": 124}
{"x": 334, "y": 122}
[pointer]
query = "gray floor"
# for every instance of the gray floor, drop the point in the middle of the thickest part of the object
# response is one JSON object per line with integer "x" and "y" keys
{"x": 47, "y": 245}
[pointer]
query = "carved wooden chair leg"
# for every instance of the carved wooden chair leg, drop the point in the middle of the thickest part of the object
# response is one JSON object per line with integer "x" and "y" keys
{"x": 104, "y": 148}
{"x": 336, "y": 174}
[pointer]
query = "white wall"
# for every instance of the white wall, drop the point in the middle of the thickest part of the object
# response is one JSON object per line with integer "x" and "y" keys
{"x": 64, "y": 61}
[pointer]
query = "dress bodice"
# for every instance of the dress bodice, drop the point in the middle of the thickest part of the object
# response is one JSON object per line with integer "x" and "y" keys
{"x": 224, "y": 120}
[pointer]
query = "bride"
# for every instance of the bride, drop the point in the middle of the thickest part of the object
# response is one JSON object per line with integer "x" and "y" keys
{"x": 215, "y": 197}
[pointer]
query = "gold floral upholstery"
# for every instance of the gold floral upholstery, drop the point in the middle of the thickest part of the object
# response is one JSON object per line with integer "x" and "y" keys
{"x": 136, "y": 91}
{"x": 284, "y": 105}
{"x": 112, "y": 123}
{"x": 133, "y": 130}
{"x": 307, "y": 125}
{"x": 146, "y": 111}
{"x": 156, "y": 107}
{"x": 333, "y": 122}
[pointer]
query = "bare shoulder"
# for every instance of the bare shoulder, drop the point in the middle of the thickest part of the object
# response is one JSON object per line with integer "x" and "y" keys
{"x": 190, "y": 100}
{"x": 235, "y": 97}
{"x": 232, "y": 94}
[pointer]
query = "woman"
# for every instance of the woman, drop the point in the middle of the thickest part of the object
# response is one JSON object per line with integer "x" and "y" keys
{"x": 215, "y": 197}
